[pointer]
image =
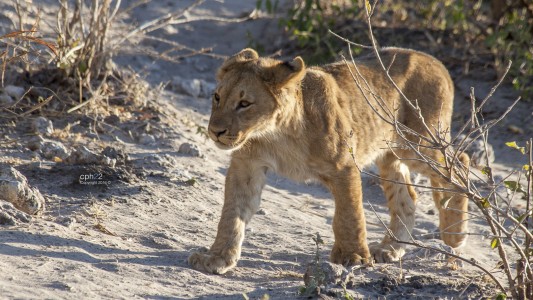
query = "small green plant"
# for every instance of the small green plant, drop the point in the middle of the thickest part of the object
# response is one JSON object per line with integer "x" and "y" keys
{"x": 317, "y": 277}
{"x": 308, "y": 22}
{"x": 83, "y": 42}
{"x": 270, "y": 6}
{"x": 511, "y": 39}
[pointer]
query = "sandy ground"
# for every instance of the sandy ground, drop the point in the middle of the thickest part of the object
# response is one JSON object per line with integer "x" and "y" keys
{"x": 131, "y": 238}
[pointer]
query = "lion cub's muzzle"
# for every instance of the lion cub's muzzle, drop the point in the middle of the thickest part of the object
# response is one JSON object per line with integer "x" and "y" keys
{"x": 223, "y": 139}
{"x": 216, "y": 133}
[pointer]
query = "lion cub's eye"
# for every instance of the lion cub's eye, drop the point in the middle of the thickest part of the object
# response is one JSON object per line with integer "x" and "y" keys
{"x": 243, "y": 104}
{"x": 216, "y": 96}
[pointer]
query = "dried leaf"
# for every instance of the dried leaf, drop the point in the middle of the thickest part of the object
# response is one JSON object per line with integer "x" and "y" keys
{"x": 522, "y": 217}
{"x": 485, "y": 203}
{"x": 192, "y": 182}
{"x": 515, "y": 146}
{"x": 501, "y": 296}
{"x": 486, "y": 171}
{"x": 368, "y": 6}
{"x": 514, "y": 186}
{"x": 515, "y": 129}
{"x": 102, "y": 229}
{"x": 495, "y": 242}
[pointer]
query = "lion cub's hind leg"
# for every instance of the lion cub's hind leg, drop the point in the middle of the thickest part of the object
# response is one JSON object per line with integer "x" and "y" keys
{"x": 401, "y": 198}
{"x": 453, "y": 209}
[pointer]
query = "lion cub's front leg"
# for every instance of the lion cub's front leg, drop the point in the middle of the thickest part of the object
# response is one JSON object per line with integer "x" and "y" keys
{"x": 349, "y": 225}
{"x": 244, "y": 183}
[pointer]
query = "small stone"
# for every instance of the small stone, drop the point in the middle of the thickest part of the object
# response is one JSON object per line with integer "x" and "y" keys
{"x": 68, "y": 222}
{"x": 6, "y": 100}
{"x": 47, "y": 148}
{"x": 146, "y": 139}
{"x": 43, "y": 126}
{"x": 191, "y": 87}
{"x": 262, "y": 212}
{"x": 165, "y": 161}
{"x": 181, "y": 175}
{"x": 14, "y": 188}
{"x": 35, "y": 143}
{"x": 431, "y": 212}
{"x": 9, "y": 215}
{"x": 118, "y": 154}
{"x": 112, "y": 119}
{"x": 197, "y": 88}
{"x": 15, "y": 92}
{"x": 51, "y": 149}
{"x": 83, "y": 156}
{"x": 325, "y": 273}
{"x": 190, "y": 149}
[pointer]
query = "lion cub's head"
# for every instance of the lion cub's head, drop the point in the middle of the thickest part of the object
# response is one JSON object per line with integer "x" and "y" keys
{"x": 251, "y": 94}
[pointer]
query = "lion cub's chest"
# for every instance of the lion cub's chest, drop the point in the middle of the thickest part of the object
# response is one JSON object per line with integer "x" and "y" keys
{"x": 287, "y": 159}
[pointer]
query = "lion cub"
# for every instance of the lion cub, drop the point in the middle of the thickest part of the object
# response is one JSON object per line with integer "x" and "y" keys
{"x": 302, "y": 122}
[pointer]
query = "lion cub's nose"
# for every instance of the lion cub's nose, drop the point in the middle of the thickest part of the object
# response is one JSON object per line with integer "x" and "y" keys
{"x": 218, "y": 132}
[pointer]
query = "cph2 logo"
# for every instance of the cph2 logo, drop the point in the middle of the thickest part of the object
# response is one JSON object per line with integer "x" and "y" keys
{"x": 93, "y": 179}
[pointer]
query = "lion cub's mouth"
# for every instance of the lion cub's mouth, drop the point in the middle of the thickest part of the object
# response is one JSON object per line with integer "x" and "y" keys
{"x": 232, "y": 144}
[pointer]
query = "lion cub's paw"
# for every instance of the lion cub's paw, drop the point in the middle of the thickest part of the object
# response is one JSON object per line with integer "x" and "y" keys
{"x": 385, "y": 253}
{"x": 350, "y": 258}
{"x": 211, "y": 263}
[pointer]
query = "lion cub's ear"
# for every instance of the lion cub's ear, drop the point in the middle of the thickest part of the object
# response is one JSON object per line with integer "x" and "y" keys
{"x": 245, "y": 55}
{"x": 284, "y": 73}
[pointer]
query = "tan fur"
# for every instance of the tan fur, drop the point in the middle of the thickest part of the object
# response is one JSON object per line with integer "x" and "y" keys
{"x": 301, "y": 122}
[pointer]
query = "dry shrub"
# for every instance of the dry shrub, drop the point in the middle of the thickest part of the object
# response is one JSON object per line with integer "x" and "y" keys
{"x": 510, "y": 229}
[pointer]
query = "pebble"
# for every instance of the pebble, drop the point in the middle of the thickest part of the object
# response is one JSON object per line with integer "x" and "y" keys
{"x": 165, "y": 160}
{"x": 262, "y": 212}
{"x": 14, "y": 188}
{"x": 68, "y": 222}
{"x": 9, "y": 215}
{"x": 42, "y": 125}
{"x": 182, "y": 175}
{"x": 197, "y": 88}
{"x": 83, "y": 156}
{"x": 190, "y": 149}
{"x": 14, "y": 91}
{"x": 35, "y": 143}
{"x": 146, "y": 139}
{"x": 47, "y": 148}
{"x": 6, "y": 100}
{"x": 330, "y": 274}
{"x": 112, "y": 119}
{"x": 51, "y": 149}
{"x": 118, "y": 154}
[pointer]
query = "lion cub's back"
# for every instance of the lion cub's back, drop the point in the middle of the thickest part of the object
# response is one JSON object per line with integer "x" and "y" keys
{"x": 420, "y": 76}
